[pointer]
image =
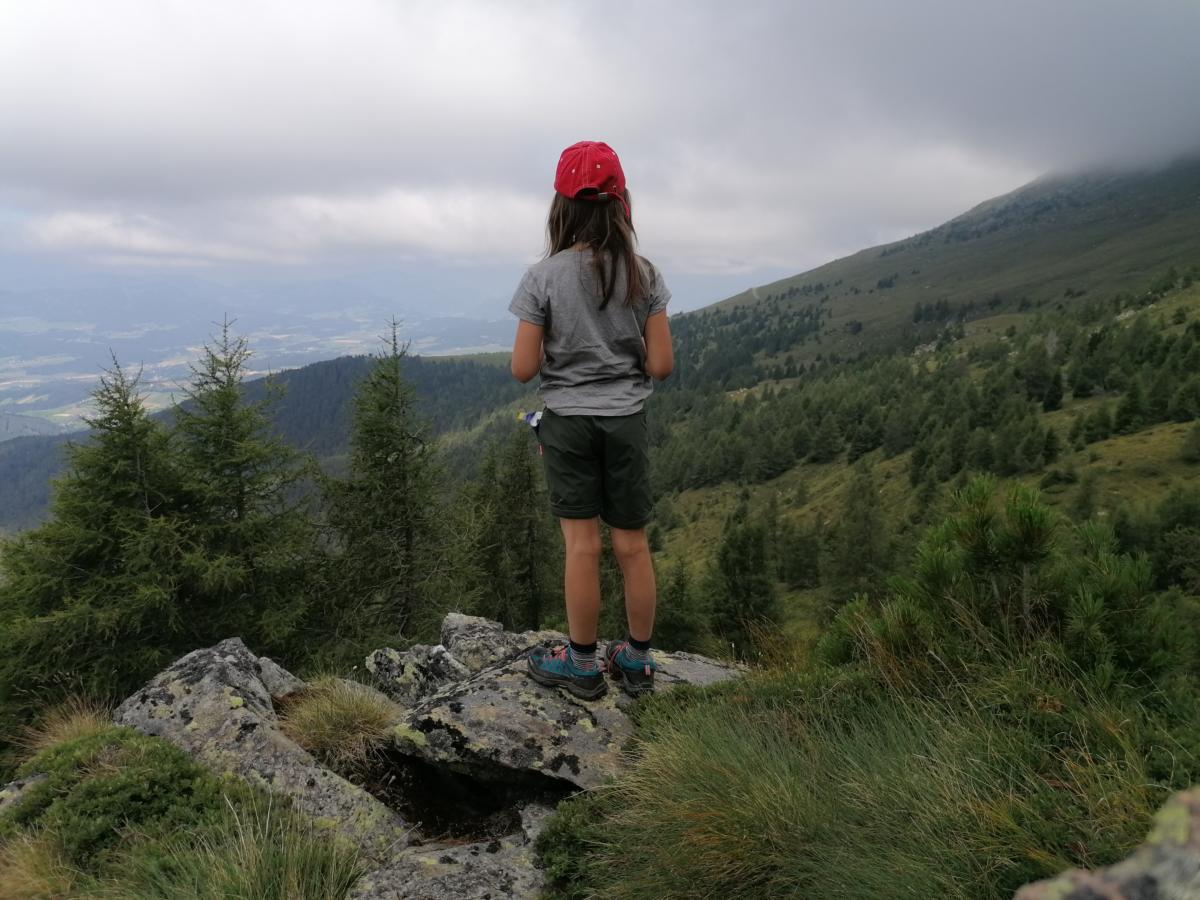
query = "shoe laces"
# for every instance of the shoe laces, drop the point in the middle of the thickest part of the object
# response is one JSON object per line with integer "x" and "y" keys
{"x": 559, "y": 652}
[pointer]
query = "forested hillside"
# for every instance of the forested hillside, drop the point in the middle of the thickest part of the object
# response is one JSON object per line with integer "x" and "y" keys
{"x": 310, "y": 408}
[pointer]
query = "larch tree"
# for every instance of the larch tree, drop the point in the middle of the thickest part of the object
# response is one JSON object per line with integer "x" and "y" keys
{"x": 515, "y": 541}
{"x": 91, "y": 600}
{"x": 253, "y": 537}
{"x": 385, "y": 534}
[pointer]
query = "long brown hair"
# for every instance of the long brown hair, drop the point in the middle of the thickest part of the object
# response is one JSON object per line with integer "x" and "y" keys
{"x": 602, "y": 225}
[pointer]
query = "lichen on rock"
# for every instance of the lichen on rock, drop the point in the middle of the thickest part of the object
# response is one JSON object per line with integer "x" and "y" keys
{"x": 1166, "y": 867}
{"x": 499, "y": 720}
{"x": 497, "y": 868}
{"x": 214, "y": 704}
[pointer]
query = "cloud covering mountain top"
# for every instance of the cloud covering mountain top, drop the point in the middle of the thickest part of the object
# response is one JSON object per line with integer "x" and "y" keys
{"x": 756, "y": 136}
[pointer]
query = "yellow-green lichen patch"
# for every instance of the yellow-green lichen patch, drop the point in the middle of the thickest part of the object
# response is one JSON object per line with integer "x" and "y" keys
{"x": 586, "y": 724}
{"x": 404, "y": 734}
{"x": 1172, "y": 825}
{"x": 1060, "y": 889}
{"x": 178, "y": 689}
{"x": 236, "y": 702}
{"x": 325, "y": 822}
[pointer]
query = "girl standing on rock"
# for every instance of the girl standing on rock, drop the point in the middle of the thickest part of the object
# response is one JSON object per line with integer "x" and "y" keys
{"x": 594, "y": 326}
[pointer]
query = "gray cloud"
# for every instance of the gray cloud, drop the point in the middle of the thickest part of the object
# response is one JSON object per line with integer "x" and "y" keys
{"x": 756, "y": 136}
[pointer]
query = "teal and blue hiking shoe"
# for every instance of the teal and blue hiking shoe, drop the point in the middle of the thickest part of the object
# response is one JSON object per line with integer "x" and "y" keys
{"x": 637, "y": 678}
{"x": 552, "y": 666}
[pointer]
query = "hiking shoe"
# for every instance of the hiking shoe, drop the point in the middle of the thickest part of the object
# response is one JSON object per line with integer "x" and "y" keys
{"x": 552, "y": 666}
{"x": 636, "y": 678}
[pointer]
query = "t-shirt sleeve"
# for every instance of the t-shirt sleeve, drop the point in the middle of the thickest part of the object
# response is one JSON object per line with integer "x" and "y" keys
{"x": 529, "y": 303}
{"x": 657, "y": 292}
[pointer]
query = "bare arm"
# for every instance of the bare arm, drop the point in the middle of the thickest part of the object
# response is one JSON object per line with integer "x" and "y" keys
{"x": 527, "y": 351}
{"x": 660, "y": 357}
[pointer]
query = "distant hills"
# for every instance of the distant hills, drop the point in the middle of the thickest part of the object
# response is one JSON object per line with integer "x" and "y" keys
{"x": 14, "y": 426}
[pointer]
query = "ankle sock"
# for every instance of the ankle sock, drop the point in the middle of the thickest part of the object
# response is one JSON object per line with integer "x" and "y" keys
{"x": 583, "y": 656}
{"x": 639, "y": 651}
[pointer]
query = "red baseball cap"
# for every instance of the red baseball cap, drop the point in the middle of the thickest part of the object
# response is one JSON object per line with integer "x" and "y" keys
{"x": 591, "y": 166}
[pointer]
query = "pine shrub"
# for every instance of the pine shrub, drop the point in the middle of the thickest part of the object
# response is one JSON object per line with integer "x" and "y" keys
{"x": 102, "y": 785}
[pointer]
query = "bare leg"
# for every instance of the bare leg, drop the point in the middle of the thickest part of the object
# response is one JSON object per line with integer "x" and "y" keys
{"x": 582, "y": 580}
{"x": 632, "y": 551}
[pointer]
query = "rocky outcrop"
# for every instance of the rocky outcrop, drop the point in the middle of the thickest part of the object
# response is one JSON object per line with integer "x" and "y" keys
{"x": 1166, "y": 867}
{"x": 499, "y": 723}
{"x": 479, "y": 757}
{"x": 485, "y": 870}
{"x": 216, "y": 704}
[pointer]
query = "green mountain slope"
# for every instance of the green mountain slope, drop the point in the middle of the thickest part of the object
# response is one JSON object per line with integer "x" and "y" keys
{"x": 1055, "y": 240}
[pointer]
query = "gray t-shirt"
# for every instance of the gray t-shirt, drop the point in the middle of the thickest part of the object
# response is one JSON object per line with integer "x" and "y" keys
{"x": 595, "y": 358}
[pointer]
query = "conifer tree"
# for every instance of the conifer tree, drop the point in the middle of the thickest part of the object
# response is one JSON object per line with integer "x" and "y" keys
{"x": 383, "y": 517}
{"x": 1185, "y": 404}
{"x": 860, "y": 554}
{"x": 1053, "y": 397}
{"x": 1098, "y": 426}
{"x": 1083, "y": 504}
{"x": 90, "y": 600}
{"x": 798, "y": 555}
{"x": 979, "y": 450}
{"x": 1051, "y": 446}
{"x": 1131, "y": 411}
{"x": 1190, "y": 451}
{"x": 518, "y": 554}
{"x": 827, "y": 442}
{"x": 680, "y": 621}
{"x": 739, "y": 584}
{"x": 253, "y": 542}
{"x": 1076, "y": 435}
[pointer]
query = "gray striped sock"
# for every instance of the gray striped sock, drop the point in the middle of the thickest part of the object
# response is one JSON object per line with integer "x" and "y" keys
{"x": 632, "y": 652}
{"x": 583, "y": 660}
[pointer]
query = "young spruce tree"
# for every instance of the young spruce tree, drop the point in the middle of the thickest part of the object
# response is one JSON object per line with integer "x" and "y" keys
{"x": 387, "y": 549}
{"x": 740, "y": 584}
{"x": 90, "y": 601}
{"x": 253, "y": 538}
{"x": 515, "y": 544}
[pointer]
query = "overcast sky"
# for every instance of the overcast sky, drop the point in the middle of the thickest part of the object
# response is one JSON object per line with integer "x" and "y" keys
{"x": 759, "y": 138}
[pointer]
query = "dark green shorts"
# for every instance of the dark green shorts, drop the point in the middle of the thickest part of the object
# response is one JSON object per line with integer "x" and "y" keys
{"x": 598, "y": 466}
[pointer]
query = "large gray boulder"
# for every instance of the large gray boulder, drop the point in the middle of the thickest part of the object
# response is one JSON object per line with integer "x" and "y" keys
{"x": 492, "y": 869}
{"x": 499, "y": 722}
{"x": 1166, "y": 867}
{"x": 215, "y": 704}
